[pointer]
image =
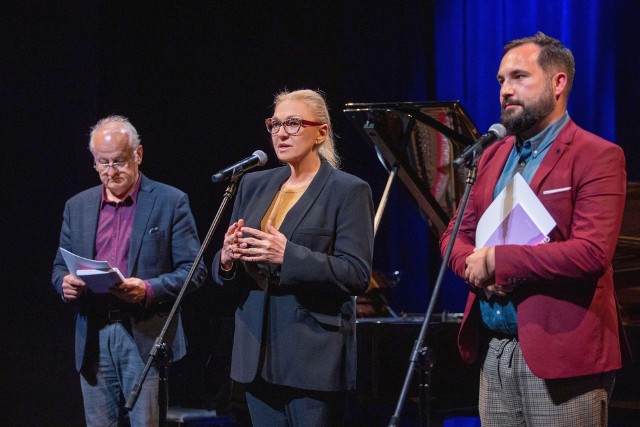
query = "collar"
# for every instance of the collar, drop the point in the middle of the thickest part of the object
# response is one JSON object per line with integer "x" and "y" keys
{"x": 543, "y": 139}
{"x": 131, "y": 199}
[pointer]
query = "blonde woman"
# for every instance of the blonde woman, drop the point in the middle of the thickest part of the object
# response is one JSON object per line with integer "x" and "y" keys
{"x": 299, "y": 249}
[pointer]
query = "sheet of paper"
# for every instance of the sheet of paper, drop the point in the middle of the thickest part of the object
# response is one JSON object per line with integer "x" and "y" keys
{"x": 516, "y": 217}
{"x": 98, "y": 275}
{"x": 75, "y": 262}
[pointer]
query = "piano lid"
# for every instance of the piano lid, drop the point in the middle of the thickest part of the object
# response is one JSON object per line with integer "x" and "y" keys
{"x": 421, "y": 140}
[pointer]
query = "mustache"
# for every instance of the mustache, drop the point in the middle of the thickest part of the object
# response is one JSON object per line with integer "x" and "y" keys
{"x": 504, "y": 103}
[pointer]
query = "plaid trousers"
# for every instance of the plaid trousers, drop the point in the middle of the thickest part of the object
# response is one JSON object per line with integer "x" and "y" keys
{"x": 512, "y": 396}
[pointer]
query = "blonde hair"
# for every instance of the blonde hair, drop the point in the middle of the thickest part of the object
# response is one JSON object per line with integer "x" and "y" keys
{"x": 317, "y": 103}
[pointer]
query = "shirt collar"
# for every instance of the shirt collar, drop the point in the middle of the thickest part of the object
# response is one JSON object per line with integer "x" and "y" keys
{"x": 543, "y": 139}
{"x": 131, "y": 199}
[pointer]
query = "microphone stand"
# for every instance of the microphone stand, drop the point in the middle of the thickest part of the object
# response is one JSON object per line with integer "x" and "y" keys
{"x": 421, "y": 355}
{"x": 160, "y": 352}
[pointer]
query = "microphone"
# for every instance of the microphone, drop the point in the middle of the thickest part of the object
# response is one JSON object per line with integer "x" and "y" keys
{"x": 258, "y": 158}
{"x": 496, "y": 131}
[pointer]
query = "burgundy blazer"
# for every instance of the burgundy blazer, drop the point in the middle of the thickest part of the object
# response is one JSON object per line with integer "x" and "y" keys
{"x": 568, "y": 319}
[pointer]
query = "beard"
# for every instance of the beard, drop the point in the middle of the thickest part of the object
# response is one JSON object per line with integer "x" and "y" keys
{"x": 519, "y": 122}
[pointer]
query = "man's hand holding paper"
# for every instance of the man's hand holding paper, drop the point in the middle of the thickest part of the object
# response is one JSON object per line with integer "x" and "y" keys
{"x": 132, "y": 290}
{"x": 72, "y": 288}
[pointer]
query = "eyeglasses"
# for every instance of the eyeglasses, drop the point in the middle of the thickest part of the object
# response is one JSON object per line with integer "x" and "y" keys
{"x": 115, "y": 165}
{"x": 291, "y": 126}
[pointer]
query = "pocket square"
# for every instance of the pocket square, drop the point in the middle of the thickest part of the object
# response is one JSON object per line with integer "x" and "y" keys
{"x": 556, "y": 190}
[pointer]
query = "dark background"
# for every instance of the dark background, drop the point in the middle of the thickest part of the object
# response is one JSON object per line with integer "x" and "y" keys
{"x": 197, "y": 79}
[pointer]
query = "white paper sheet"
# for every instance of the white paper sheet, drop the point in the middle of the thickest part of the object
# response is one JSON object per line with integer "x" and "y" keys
{"x": 99, "y": 276}
{"x": 516, "y": 217}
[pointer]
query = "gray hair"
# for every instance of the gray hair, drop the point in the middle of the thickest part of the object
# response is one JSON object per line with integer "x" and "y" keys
{"x": 120, "y": 123}
{"x": 316, "y": 101}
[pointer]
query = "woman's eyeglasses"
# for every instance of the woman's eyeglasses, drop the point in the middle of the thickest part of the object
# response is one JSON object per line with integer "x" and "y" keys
{"x": 291, "y": 125}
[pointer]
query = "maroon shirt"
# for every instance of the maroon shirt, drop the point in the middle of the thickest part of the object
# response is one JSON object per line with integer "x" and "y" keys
{"x": 113, "y": 236}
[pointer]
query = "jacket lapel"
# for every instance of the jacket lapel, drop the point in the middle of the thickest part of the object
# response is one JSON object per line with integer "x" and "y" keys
{"x": 300, "y": 209}
{"x": 493, "y": 172}
{"x": 558, "y": 147}
{"x": 90, "y": 213}
{"x": 146, "y": 201}
{"x": 261, "y": 199}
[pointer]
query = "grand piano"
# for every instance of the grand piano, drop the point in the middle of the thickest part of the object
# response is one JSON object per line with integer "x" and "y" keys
{"x": 416, "y": 142}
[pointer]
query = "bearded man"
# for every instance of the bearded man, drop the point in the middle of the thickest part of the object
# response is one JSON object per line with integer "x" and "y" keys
{"x": 543, "y": 319}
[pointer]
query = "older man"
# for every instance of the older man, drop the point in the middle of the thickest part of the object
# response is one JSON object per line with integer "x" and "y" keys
{"x": 146, "y": 229}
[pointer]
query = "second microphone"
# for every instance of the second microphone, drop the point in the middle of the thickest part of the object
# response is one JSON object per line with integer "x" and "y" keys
{"x": 258, "y": 158}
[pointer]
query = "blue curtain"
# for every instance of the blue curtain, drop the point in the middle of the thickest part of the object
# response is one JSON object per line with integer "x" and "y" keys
{"x": 469, "y": 38}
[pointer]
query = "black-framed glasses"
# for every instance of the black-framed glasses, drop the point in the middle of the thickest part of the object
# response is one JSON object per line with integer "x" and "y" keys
{"x": 291, "y": 125}
{"x": 116, "y": 165}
